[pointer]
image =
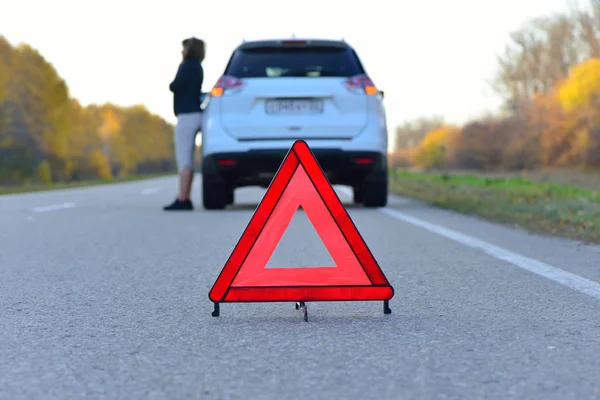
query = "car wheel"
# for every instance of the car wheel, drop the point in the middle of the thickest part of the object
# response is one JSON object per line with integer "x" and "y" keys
{"x": 214, "y": 195}
{"x": 359, "y": 194}
{"x": 230, "y": 195}
{"x": 375, "y": 194}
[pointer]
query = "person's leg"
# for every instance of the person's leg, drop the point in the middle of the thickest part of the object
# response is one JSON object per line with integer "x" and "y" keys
{"x": 184, "y": 136}
{"x": 186, "y": 177}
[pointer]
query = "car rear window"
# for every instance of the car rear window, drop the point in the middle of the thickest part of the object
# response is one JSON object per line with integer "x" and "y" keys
{"x": 312, "y": 61}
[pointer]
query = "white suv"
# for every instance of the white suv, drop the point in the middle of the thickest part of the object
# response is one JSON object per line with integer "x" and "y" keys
{"x": 274, "y": 92}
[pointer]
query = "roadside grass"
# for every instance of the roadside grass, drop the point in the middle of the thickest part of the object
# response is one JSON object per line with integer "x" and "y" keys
{"x": 40, "y": 187}
{"x": 538, "y": 205}
{"x": 586, "y": 179}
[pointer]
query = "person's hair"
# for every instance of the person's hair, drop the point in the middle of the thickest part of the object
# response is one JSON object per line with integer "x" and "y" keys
{"x": 195, "y": 48}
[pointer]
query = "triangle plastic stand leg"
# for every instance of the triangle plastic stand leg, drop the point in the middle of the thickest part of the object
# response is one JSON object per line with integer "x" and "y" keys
{"x": 302, "y": 305}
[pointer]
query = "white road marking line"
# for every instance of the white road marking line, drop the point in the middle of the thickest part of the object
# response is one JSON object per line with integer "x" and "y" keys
{"x": 54, "y": 207}
{"x": 148, "y": 191}
{"x": 555, "y": 274}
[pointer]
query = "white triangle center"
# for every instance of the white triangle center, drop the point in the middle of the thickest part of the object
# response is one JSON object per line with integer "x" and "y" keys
{"x": 300, "y": 246}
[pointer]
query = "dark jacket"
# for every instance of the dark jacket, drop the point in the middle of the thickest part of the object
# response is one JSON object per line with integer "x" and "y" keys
{"x": 187, "y": 87}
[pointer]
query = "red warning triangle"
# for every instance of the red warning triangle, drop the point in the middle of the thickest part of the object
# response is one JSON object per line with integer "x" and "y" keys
{"x": 300, "y": 182}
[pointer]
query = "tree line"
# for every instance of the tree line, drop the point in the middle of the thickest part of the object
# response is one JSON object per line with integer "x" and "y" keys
{"x": 46, "y": 135}
{"x": 549, "y": 80}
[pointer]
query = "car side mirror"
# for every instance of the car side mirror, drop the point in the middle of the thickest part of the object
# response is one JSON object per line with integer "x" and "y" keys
{"x": 382, "y": 93}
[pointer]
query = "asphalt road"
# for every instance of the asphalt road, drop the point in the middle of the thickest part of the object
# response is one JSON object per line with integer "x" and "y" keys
{"x": 105, "y": 296}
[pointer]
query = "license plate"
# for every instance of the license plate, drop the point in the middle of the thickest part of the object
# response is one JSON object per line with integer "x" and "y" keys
{"x": 294, "y": 107}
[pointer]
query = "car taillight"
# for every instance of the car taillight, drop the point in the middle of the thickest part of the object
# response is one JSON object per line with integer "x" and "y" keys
{"x": 364, "y": 161}
{"x": 226, "y": 162}
{"x": 225, "y": 83}
{"x": 362, "y": 84}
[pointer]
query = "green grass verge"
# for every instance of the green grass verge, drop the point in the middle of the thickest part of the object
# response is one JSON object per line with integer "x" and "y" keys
{"x": 546, "y": 208}
{"x": 39, "y": 187}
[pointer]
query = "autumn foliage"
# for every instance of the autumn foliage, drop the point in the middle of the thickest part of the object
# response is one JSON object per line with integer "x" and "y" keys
{"x": 549, "y": 78}
{"x": 48, "y": 136}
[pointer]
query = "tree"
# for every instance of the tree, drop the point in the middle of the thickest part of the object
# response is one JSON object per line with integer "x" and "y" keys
{"x": 541, "y": 53}
{"x": 549, "y": 77}
{"x": 431, "y": 153}
{"x": 4, "y": 75}
{"x": 545, "y": 130}
{"x": 41, "y": 102}
{"x": 579, "y": 96}
{"x": 582, "y": 88}
{"x": 410, "y": 134}
{"x": 100, "y": 163}
{"x": 45, "y": 172}
{"x": 43, "y": 130}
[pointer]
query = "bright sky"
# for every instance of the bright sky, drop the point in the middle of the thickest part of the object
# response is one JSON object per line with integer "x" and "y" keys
{"x": 430, "y": 57}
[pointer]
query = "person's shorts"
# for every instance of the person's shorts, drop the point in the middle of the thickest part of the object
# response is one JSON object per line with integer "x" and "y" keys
{"x": 187, "y": 127}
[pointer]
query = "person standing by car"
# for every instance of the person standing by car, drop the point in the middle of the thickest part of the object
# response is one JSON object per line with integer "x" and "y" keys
{"x": 187, "y": 90}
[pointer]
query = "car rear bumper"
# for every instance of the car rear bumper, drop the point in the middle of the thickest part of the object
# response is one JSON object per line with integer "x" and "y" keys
{"x": 258, "y": 167}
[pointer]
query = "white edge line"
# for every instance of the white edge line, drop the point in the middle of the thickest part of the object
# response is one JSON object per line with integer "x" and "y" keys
{"x": 54, "y": 207}
{"x": 555, "y": 274}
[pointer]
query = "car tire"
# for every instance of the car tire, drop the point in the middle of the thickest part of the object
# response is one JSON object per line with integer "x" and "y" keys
{"x": 359, "y": 194}
{"x": 230, "y": 195}
{"x": 375, "y": 194}
{"x": 214, "y": 195}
